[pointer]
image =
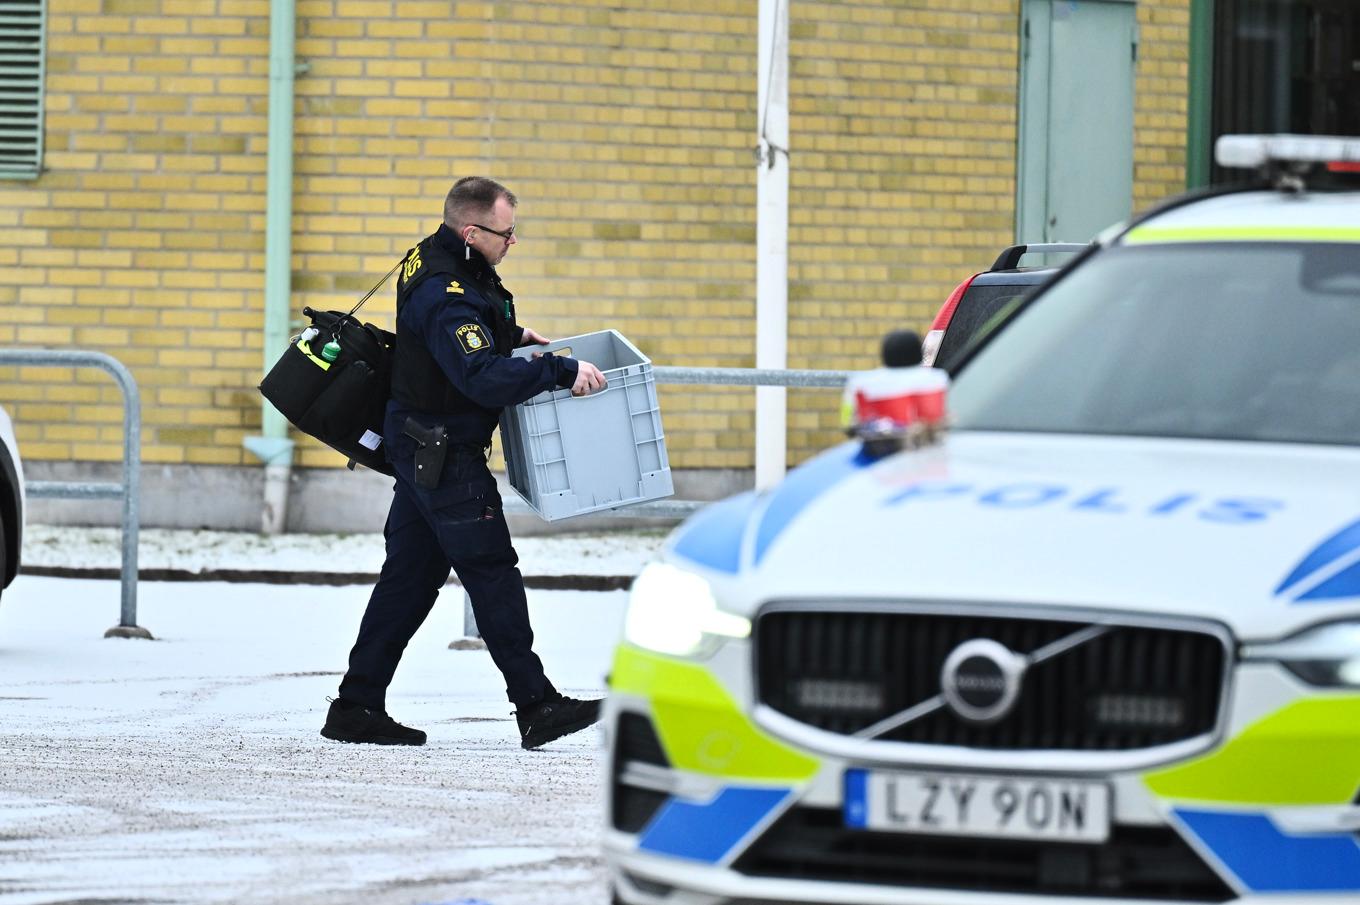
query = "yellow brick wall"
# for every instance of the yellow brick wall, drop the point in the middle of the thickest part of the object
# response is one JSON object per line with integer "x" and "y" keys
{"x": 144, "y": 237}
{"x": 1161, "y": 94}
{"x": 625, "y": 128}
{"x": 625, "y": 131}
{"x": 902, "y": 182}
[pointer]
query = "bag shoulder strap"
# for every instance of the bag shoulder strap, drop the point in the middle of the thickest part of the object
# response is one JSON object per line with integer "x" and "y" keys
{"x": 376, "y": 286}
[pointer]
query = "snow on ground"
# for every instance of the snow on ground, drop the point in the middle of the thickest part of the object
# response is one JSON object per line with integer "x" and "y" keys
{"x": 190, "y": 768}
{"x": 603, "y": 553}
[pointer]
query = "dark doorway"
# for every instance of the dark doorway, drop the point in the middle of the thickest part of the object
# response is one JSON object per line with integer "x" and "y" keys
{"x": 1286, "y": 66}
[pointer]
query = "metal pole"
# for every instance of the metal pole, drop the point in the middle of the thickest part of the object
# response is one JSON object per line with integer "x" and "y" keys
{"x": 274, "y": 447}
{"x": 772, "y": 235}
{"x": 132, "y": 469}
{"x": 278, "y": 263}
{"x": 751, "y": 377}
{"x": 472, "y": 636}
{"x": 469, "y": 618}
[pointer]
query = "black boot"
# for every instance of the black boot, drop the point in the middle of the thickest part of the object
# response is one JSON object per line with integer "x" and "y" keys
{"x": 348, "y": 722}
{"x": 553, "y": 717}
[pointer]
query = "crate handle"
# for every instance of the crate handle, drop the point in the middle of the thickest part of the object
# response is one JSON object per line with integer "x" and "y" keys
{"x": 597, "y": 394}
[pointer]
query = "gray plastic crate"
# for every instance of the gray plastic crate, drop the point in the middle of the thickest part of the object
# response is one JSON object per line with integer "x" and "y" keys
{"x": 569, "y": 455}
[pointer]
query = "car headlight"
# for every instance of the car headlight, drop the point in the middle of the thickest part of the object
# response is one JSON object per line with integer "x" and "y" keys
{"x": 1326, "y": 655}
{"x": 673, "y": 611}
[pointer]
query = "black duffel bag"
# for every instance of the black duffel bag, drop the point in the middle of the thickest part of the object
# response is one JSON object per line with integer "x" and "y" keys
{"x": 333, "y": 383}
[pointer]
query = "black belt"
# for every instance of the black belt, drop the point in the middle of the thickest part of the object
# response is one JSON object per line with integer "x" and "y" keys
{"x": 482, "y": 451}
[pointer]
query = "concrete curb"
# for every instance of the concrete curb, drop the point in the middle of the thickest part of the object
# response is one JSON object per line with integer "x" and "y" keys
{"x": 276, "y": 576}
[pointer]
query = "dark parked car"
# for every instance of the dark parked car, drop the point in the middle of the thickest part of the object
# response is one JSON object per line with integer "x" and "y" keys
{"x": 987, "y": 296}
{"x": 11, "y": 502}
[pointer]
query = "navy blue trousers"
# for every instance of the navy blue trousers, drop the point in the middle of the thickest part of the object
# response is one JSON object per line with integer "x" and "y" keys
{"x": 458, "y": 526}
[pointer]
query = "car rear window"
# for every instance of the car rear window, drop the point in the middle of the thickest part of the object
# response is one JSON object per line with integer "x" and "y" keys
{"x": 1242, "y": 341}
{"x": 978, "y": 306}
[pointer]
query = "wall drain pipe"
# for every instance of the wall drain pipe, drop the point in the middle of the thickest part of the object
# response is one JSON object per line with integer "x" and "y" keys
{"x": 274, "y": 448}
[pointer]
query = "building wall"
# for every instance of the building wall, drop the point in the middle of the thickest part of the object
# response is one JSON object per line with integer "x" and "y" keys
{"x": 627, "y": 130}
{"x": 1161, "y": 98}
{"x": 902, "y": 183}
{"x": 144, "y": 237}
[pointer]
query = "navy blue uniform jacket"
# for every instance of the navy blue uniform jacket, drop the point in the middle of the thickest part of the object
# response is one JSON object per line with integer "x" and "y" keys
{"x": 458, "y": 317}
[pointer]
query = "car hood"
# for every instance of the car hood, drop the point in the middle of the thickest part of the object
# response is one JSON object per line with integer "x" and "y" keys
{"x": 1264, "y": 538}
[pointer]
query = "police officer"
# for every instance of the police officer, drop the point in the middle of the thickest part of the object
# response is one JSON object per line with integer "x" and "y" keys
{"x": 452, "y": 375}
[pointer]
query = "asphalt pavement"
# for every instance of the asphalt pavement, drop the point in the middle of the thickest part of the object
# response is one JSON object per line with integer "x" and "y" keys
{"x": 190, "y": 769}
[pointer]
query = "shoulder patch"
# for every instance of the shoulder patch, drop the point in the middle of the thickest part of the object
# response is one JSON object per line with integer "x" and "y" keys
{"x": 410, "y": 265}
{"x": 471, "y": 338}
{"x": 454, "y": 287}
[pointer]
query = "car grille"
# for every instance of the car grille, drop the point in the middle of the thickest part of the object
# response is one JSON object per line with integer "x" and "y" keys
{"x": 636, "y": 743}
{"x": 1130, "y": 688}
{"x": 1135, "y": 862}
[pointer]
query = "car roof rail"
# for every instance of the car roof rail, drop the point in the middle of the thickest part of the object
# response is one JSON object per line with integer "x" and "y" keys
{"x": 1010, "y": 258}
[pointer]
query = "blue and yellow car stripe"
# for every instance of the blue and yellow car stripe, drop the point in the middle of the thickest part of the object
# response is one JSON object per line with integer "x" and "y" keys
{"x": 1303, "y": 754}
{"x": 715, "y": 537}
{"x": 702, "y": 730}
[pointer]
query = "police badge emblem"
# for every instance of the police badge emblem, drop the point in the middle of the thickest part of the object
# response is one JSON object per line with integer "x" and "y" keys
{"x": 471, "y": 338}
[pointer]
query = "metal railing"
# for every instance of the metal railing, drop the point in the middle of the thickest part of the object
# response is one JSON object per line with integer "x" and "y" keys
{"x": 101, "y": 490}
{"x": 680, "y": 508}
{"x": 752, "y": 377}
{"x": 127, "y": 490}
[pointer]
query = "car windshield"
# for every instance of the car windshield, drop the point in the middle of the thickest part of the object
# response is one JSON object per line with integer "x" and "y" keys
{"x": 1242, "y": 341}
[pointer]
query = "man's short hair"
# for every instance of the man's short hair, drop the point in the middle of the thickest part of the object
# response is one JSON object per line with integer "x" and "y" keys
{"x": 472, "y": 198}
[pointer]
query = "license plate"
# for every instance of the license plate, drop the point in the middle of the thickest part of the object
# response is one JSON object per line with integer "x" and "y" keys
{"x": 948, "y": 804}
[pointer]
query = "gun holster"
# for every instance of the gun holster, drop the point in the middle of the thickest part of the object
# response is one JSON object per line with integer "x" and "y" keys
{"x": 432, "y": 446}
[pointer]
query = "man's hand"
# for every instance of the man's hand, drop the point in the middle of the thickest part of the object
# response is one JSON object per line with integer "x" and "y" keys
{"x": 532, "y": 337}
{"x": 588, "y": 379}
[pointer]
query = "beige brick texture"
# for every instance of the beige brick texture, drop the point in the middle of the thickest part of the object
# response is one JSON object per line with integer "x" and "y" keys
{"x": 1161, "y": 95}
{"x": 626, "y": 128}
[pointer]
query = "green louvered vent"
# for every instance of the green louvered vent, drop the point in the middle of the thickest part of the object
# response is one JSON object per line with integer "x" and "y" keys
{"x": 21, "y": 87}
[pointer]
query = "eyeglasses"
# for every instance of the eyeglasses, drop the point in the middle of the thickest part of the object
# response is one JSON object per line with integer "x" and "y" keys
{"x": 507, "y": 235}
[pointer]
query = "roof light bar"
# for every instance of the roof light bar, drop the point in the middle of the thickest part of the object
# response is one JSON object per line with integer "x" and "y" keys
{"x": 1255, "y": 151}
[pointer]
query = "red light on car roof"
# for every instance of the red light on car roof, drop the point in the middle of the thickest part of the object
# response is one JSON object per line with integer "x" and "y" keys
{"x": 942, "y": 319}
{"x": 1343, "y": 166}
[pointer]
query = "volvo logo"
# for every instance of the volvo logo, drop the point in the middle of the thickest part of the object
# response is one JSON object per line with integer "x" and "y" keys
{"x": 981, "y": 680}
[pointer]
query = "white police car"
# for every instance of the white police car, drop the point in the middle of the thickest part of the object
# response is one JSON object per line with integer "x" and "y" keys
{"x": 1102, "y": 642}
{"x": 11, "y": 502}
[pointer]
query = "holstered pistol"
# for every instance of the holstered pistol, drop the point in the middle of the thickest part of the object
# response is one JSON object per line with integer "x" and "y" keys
{"x": 432, "y": 446}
